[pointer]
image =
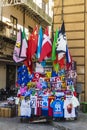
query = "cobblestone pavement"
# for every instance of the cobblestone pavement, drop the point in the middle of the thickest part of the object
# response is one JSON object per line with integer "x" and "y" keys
{"x": 79, "y": 124}
{"x": 15, "y": 124}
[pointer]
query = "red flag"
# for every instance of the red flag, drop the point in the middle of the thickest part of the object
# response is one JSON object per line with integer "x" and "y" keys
{"x": 61, "y": 63}
{"x": 32, "y": 47}
{"x": 34, "y": 41}
{"x": 46, "y": 46}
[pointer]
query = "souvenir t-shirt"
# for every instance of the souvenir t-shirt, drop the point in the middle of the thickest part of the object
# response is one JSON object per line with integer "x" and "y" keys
{"x": 75, "y": 101}
{"x": 57, "y": 106}
{"x": 45, "y": 105}
{"x": 50, "y": 110}
{"x": 69, "y": 109}
{"x": 39, "y": 105}
{"x": 33, "y": 102}
{"x": 25, "y": 109}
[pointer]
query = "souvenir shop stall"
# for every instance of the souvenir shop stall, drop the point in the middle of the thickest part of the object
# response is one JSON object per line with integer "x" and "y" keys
{"x": 49, "y": 90}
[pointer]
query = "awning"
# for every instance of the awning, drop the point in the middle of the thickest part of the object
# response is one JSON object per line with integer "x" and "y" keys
{"x": 11, "y": 62}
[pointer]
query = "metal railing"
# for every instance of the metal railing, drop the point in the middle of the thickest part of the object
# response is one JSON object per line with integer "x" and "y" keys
{"x": 33, "y": 6}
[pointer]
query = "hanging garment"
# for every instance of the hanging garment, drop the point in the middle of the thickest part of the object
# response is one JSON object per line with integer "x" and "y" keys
{"x": 57, "y": 106}
{"x": 69, "y": 109}
{"x": 25, "y": 109}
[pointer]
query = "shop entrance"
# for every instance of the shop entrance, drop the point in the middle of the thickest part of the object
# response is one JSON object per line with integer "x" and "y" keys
{"x": 10, "y": 77}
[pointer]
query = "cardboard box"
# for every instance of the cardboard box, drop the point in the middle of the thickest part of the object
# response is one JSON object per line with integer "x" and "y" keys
{"x": 19, "y": 110}
{"x": 7, "y": 112}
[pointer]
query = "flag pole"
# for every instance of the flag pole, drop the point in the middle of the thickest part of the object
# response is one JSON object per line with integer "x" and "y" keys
{"x": 23, "y": 17}
{"x": 62, "y": 17}
{"x": 52, "y": 35}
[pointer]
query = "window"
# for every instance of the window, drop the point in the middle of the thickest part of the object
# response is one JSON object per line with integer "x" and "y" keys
{"x": 14, "y": 25}
{"x": 43, "y": 5}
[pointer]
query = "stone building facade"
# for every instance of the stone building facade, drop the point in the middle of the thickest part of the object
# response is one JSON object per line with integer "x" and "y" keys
{"x": 16, "y": 14}
{"x": 74, "y": 14}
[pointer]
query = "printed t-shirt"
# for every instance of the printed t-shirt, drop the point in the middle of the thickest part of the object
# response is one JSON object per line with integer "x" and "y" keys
{"x": 57, "y": 106}
{"x": 33, "y": 101}
{"x": 50, "y": 110}
{"x": 45, "y": 105}
{"x": 39, "y": 105}
{"x": 69, "y": 110}
{"x": 25, "y": 109}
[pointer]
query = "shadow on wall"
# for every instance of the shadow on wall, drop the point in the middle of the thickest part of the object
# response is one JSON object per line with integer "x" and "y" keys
{"x": 79, "y": 91}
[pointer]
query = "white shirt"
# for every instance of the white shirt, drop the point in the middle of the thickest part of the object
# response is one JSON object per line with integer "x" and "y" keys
{"x": 25, "y": 109}
{"x": 69, "y": 109}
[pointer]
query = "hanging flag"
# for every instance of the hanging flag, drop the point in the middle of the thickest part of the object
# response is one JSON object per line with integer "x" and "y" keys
{"x": 34, "y": 41}
{"x": 40, "y": 38}
{"x": 62, "y": 63}
{"x": 68, "y": 56}
{"x": 46, "y": 46}
{"x": 24, "y": 45}
{"x": 54, "y": 45}
{"x": 17, "y": 48}
{"x": 28, "y": 61}
{"x": 62, "y": 42}
{"x": 56, "y": 65}
{"x": 54, "y": 54}
{"x": 68, "y": 59}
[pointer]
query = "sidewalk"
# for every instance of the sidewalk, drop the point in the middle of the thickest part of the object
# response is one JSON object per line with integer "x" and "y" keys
{"x": 79, "y": 124}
